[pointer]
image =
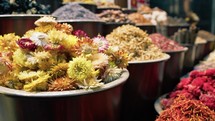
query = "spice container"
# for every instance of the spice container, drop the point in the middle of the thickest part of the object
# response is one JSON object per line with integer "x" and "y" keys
{"x": 146, "y": 67}
{"x": 80, "y": 18}
{"x": 173, "y": 66}
{"x": 200, "y": 47}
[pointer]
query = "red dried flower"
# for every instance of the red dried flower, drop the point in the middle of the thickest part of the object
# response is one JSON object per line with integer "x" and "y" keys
{"x": 79, "y": 33}
{"x": 183, "y": 82}
{"x": 26, "y": 43}
{"x": 208, "y": 99}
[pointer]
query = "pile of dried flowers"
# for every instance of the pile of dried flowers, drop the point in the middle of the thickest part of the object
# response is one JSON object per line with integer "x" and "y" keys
{"x": 136, "y": 42}
{"x": 200, "y": 85}
{"x": 54, "y": 57}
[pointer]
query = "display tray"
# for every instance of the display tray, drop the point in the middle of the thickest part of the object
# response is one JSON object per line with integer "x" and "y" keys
{"x": 157, "y": 105}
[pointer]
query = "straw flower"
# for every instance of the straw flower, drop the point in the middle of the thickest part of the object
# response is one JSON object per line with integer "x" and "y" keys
{"x": 56, "y": 36}
{"x": 101, "y": 42}
{"x": 99, "y": 60}
{"x": 26, "y": 43}
{"x": 39, "y": 38}
{"x": 62, "y": 84}
{"x": 80, "y": 69}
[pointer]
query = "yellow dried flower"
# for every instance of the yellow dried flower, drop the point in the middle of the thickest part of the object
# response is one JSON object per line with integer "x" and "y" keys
{"x": 80, "y": 69}
{"x": 61, "y": 84}
{"x": 69, "y": 42}
{"x": 19, "y": 57}
{"x": 45, "y": 20}
{"x": 59, "y": 70}
{"x": 8, "y": 42}
{"x": 39, "y": 84}
{"x": 45, "y": 28}
{"x": 30, "y": 75}
{"x": 44, "y": 60}
{"x": 56, "y": 36}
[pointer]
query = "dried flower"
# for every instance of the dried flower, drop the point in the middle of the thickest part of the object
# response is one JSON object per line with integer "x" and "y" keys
{"x": 101, "y": 42}
{"x": 79, "y": 33}
{"x": 46, "y": 20}
{"x": 81, "y": 69}
{"x": 66, "y": 28}
{"x": 99, "y": 60}
{"x": 62, "y": 84}
{"x": 59, "y": 70}
{"x": 26, "y": 43}
{"x": 39, "y": 84}
{"x": 39, "y": 38}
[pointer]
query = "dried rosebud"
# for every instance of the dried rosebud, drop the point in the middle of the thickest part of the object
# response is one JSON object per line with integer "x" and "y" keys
{"x": 26, "y": 43}
{"x": 79, "y": 33}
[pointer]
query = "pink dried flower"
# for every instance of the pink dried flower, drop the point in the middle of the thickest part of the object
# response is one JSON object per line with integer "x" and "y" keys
{"x": 208, "y": 100}
{"x": 208, "y": 87}
{"x": 183, "y": 82}
{"x": 101, "y": 42}
{"x": 199, "y": 81}
{"x": 26, "y": 43}
{"x": 210, "y": 72}
{"x": 79, "y": 33}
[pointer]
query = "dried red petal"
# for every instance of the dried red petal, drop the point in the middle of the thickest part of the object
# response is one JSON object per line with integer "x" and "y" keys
{"x": 26, "y": 43}
{"x": 79, "y": 33}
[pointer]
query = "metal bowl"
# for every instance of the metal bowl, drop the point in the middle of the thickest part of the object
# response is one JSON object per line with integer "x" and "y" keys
{"x": 157, "y": 104}
{"x": 189, "y": 58}
{"x": 150, "y": 29}
{"x": 100, "y": 104}
{"x": 209, "y": 47}
{"x": 171, "y": 29}
{"x": 91, "y": 27}
{"x": 142, "y": 88}
{"x": 199, "y": 52}
{"x": 17, "y": 24}
{"x": 173, "y": 70}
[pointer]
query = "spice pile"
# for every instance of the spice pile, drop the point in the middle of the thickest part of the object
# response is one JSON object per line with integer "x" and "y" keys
{"x": 106, "y": 4}
{"x": 74, "y": 11}
{"x": 136, "y": 42}
{"x": 199, "y": 85}
{"x": 54, "y": 57}
{"x": 114, "y": 16}
{"x": 138, "y": 19}
{"x": 185, "y": 109}
{"x": 164, "y": 43}
{"x": 23, "y": 7}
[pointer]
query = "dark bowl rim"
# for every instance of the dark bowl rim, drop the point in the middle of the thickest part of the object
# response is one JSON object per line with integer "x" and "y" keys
{"x": 165, "y": 58}
{"x": 80, "y": 21}
{"x": 22, "y": 93}
{"x": 23, "y": 15}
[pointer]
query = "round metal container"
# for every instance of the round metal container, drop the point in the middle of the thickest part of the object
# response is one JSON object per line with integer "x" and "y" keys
{"x": 189, "y": 58}
{"x": 91, "y": 27}
{"x": 100, "y": 104}
{"x": 209, "y": 47}
{"x": 17, "y": 24}
{"x": 171, "y": 29}
{"x": 173, "y": 70}
{"x": 199, "y": 52}
{"x": 101, "y": 9}
{"x": 141, "y": 89}
{"x": 150, "y": 29}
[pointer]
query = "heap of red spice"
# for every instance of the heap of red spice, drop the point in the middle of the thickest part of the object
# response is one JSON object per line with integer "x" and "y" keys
{"x": 164, "y": 43}
{"x": 184, "y": 109}
{"x": 200, "y": 85}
